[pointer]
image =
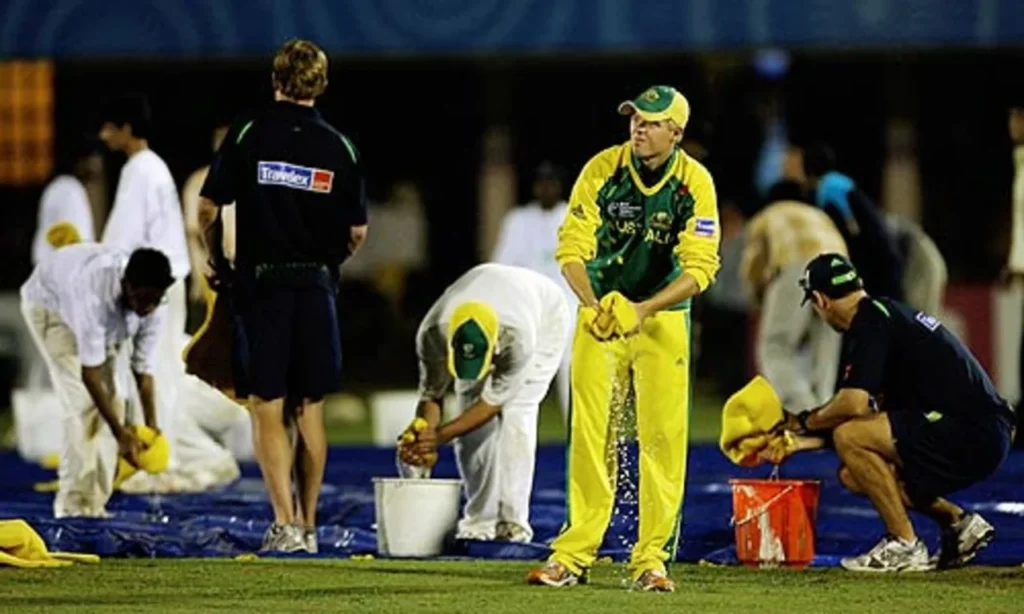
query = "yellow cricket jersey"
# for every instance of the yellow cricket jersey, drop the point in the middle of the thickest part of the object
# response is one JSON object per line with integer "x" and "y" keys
{"x": 637, "y": 239}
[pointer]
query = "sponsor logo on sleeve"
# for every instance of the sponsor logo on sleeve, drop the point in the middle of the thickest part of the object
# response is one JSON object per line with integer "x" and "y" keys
{"x": 929, "y": 322}
{"x": 705, "y": 227}
{"x": 295, "y": 177}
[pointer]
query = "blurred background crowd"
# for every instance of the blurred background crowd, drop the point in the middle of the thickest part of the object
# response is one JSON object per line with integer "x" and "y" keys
{"x": 467, "y": 110}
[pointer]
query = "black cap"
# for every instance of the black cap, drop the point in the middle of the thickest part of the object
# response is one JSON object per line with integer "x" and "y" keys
{"x": 831, "y": 274}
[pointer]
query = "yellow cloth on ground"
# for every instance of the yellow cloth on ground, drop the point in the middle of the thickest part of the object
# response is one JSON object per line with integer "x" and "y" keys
{"x": 748, "y": 418}
{"x": 21, "y": 546}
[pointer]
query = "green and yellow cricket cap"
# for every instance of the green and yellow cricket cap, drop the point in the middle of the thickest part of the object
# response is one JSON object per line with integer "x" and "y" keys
{"x": 472, "y": 337}
{"x": 657, "y": 103}
{"x": 831, "y": 274}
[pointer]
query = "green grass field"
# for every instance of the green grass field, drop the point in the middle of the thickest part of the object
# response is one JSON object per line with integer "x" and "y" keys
{"x": 424, "y": 587}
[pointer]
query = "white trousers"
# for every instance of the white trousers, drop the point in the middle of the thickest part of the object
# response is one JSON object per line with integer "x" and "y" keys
{"x": 497, "y": 460}
{"x": 88, "y": 459}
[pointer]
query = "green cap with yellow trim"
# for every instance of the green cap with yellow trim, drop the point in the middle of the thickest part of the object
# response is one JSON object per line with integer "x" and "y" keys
{"x": 657, "y": 103}
{"x": 472, "y": 337}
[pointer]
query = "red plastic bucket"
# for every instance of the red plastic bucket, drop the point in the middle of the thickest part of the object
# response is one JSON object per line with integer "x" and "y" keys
{"x": 774, "y": 521}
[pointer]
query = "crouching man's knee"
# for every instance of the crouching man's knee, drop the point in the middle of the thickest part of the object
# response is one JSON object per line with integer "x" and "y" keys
{"x": 848, "y": 481}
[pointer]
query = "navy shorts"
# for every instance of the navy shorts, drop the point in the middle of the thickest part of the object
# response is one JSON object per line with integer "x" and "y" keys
{"x": 945, "y": 453}
{"x": 287, "y": 342}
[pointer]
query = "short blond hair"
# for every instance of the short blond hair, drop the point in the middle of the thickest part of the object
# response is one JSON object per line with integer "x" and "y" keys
{"x": 300, "y": 70}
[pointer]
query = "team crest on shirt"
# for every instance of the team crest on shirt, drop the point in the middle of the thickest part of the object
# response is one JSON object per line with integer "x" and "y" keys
{"x": 660, "y": 220}
{"x": 294, "y": 176}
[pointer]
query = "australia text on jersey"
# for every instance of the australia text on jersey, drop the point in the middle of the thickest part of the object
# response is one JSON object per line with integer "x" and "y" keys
{"x": 294, "y": 176}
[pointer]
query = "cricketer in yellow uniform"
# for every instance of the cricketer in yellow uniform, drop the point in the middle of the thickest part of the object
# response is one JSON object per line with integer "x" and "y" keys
{"x": 640, "y": 239}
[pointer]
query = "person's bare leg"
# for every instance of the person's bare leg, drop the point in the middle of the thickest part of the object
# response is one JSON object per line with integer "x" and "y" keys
{"x": 944, "y": 512}
{"x": 274, "y": 453}
{"x": 312, "y": 450}
{"x": 866, "y": 449}
{"x": 298, "y": 470}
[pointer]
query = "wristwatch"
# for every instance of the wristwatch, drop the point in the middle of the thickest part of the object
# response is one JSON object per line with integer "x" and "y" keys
{"x": 801, "y": 419}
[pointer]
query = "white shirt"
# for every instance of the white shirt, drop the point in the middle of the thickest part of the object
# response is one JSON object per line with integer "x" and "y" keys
{"x": 147, "y": 212}
{"x": 522, "y": 300}
{"x": 82, "y": 284}
{"x": 1016, "y": 260}
{"x": 529, "y": 237}
{"x": 63, "y": 200}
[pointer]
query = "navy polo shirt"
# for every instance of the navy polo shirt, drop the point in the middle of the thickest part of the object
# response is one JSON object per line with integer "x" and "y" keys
{"x": 297, "y": 184}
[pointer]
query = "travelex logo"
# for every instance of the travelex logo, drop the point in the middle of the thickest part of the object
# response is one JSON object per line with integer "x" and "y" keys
{"x": 294, "y": 176}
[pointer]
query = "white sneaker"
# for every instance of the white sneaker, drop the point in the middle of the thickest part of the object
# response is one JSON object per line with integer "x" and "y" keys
{"x": 310, "y": 539}
{"x": 475, "y": 534}
{"x": 512, "y": 532}
{"x": 963, "y": 541}
{"x": 891, "y": 554}
{"x": 284, "y": 538}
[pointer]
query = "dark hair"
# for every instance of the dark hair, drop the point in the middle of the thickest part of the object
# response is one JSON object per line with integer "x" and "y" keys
{"x": 70, "y": 153}
{"x": 149, "y": 268}
{"x": 786, "y": 189}
{"x": 819, "y": 159}
{"x": 130, "y": 108}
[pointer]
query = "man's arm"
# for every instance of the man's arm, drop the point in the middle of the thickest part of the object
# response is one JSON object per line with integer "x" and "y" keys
{"x": 577, "y": 236}
{"x": 697, "y": 249}
{"x": 847, "y": 404}
{"x": 479, "y": 414}
{"x": 865, "y": 347}
{"x": 434, "y": 379}
{"x": 103, "y": 398}
{"x": 194, "y": 232}
{"x": 510, "y": 368}
{"x": 143, "y": 365}
{"x": 147, "y": 396}
{"x": 576, "y": 276}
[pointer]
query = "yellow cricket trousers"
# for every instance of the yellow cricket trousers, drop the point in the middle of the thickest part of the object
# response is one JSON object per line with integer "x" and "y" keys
{"x": 659, "y": 359}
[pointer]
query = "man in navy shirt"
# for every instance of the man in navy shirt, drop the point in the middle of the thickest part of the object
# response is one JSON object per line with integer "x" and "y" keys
{"x": 300, "y": 212}
{"x": 914, "y": 417}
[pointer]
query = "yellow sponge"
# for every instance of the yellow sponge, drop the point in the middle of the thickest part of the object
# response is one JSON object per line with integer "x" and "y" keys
{"x": 622, "y": 310}
{"x": 154, "y": 457}
{"x": 748, "y": 418}
{"x": 408, "y": 437}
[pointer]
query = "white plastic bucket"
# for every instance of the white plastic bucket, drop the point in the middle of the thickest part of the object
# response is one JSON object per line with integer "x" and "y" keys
{"x": 414, "y": 516}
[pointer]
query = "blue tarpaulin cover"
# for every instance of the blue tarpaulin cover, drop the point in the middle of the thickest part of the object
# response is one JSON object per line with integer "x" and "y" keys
{"x": 231, "y": 521}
